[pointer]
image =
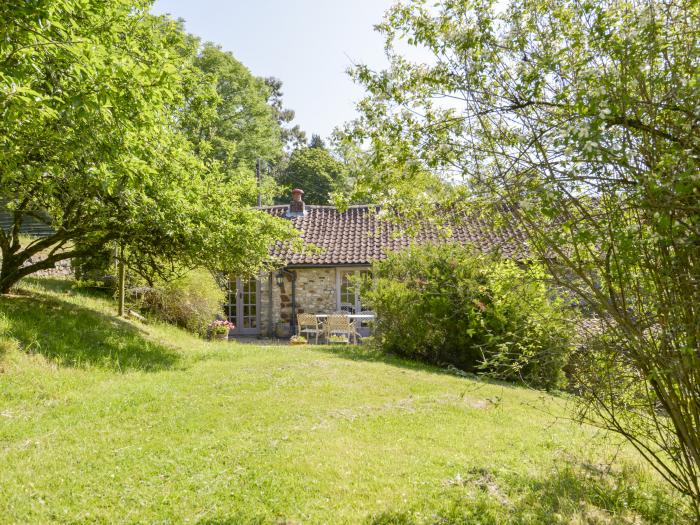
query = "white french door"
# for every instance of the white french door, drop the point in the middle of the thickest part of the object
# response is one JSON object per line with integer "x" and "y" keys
{"x": 242, "y": 305}
{"x": 348, "y": 296}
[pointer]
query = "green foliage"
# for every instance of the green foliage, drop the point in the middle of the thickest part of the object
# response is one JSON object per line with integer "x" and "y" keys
{"x": 243, "y": 127}
{"x": 317, "y": 142}
{"x": 448, "y": 305}
{"x": 97, "y": 268}
{"x": 315, "y": 171}
{"x": 191, "y": 301}
{"x": 580, "y": 120}
{"x": 96, "y": 98}
{"x": 293, "y": 137}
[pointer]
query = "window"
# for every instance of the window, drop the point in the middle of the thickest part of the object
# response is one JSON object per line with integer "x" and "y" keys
{"x": 349, "y": 282}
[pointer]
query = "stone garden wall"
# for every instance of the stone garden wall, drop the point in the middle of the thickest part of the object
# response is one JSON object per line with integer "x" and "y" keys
{"x": 60, "y": 269}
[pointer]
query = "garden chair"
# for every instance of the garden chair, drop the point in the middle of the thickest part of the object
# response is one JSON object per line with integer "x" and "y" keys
{"x": 340, "y": 325}
{"x": 308, "y": 323}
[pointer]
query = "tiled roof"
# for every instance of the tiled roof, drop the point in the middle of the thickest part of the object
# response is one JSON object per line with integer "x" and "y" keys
{"x": 359, "y": 236}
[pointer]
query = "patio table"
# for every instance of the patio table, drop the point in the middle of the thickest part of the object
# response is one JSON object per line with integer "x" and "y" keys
{"x": 359, "y": 317}
{"x": 362, "y": 317}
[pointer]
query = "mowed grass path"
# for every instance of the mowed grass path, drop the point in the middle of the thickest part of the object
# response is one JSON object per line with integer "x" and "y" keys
{"x": 108, "y": 421}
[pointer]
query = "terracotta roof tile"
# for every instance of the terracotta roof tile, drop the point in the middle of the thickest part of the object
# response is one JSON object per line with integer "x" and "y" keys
{"x": 359, "y": 236}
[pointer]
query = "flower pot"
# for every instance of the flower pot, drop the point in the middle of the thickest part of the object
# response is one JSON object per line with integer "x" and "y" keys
{"x": 220, "y": 336}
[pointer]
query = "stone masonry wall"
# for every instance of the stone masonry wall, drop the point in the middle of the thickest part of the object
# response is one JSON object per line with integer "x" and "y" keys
{"x": 315, "y": 293}
{"x": 60, "y": 269}
{"x": 264, "y": 303}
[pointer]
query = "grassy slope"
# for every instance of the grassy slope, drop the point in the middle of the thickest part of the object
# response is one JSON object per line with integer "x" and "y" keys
{"x": 103, "y": 420}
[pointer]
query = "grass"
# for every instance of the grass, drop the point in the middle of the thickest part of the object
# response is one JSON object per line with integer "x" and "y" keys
{"x": 109, "y": 421}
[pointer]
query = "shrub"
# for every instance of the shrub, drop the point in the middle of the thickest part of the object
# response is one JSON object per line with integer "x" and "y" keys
{"x": 190, "y": 301}
{"x": 449, "y": 305}
{"x": 96, "y": 270}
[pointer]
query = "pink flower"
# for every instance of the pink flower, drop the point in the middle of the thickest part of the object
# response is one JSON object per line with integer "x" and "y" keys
{"x": 221, "y": 326}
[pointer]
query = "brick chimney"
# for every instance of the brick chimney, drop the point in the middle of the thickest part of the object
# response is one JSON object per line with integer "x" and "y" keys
{"x": 296, "y": 207}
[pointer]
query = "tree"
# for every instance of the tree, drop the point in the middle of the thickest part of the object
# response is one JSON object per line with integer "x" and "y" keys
{"x": 580, "y": 119}
{"x": 93, "y": 96}
{"x": 292, "y": 137}
{"x": 245, "y": 127}
{"x": 317, "y": 142}
{"x": 316, "y": 172}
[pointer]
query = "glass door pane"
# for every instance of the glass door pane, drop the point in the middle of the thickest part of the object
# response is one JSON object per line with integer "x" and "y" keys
{"x": 350, "y": 297}
{"x": 249, "y": 304}
{"x": 347, "y": 292}
{"x": 241, "y": 307}
{"x": 350, "y": 287}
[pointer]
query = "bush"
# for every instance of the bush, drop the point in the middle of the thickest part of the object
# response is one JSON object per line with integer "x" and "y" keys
{"x": 448, "y": 305}
{"x": 96, "y": 270}
{"x": 191, "y": 301}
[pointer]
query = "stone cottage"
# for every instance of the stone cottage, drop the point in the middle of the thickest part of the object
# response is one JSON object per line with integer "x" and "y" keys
{"x": 321, "y": 281}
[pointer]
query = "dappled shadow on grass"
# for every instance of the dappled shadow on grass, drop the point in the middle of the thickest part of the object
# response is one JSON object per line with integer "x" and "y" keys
{"x": 569, "y": 494}
{"x": 597, "y": 495}
{"x": 365, "y": 353}
{"x": 370, "y": 354}
{"x": 75, "y": 336}
{"x": 63, "y": 285}
{"x": 49, "y": 284}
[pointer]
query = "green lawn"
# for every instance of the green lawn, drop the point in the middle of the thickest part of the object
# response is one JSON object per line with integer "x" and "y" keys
{"x": 107, "y": 421}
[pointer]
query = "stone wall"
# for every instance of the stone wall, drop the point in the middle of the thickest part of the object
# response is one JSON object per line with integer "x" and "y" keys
{"x": 265, "y": 302}
{"x": 62, "y": 268}
{"x": 315, "y": 293}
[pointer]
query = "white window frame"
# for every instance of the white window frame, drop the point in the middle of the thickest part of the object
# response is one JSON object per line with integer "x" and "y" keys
{"x": 338, "y": 281}
{"x": 234, "y": 297}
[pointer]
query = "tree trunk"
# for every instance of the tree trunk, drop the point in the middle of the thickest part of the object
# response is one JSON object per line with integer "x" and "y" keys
{"x": 122, "y": 280}
{"x": 6, "y": 284}
{"x": 9, "y": 268}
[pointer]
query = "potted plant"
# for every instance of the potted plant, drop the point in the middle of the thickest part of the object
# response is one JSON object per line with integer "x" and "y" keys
{"x": 220, "y": 328}
{"x": 336, "y": 339}
{"x": 297, "y": 340}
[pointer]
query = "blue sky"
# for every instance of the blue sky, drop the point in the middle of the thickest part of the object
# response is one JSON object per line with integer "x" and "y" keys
{"x": 308, "y": 44}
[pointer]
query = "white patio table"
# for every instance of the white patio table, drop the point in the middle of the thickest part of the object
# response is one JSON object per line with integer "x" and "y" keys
{"x": 362, "y": 317}
{"x": 359, "y": 317}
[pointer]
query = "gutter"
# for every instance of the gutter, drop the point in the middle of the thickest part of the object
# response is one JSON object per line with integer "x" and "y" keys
{"x": 293, "y": 320}
{"x": 270, "y": 329}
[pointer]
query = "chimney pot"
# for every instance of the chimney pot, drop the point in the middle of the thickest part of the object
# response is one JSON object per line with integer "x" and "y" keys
{"x": 296, "y": 207}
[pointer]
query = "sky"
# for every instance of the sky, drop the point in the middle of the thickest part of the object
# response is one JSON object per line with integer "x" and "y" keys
{"x": 308, "y": 44}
